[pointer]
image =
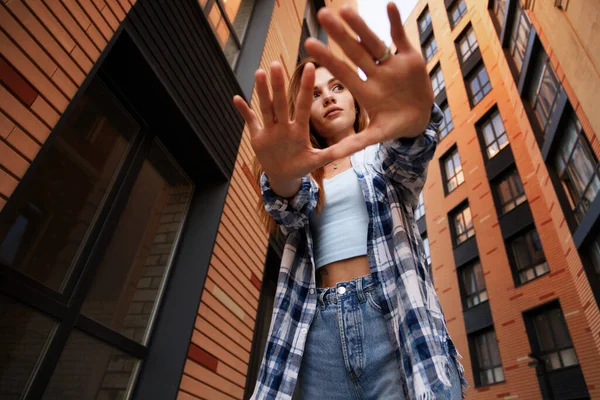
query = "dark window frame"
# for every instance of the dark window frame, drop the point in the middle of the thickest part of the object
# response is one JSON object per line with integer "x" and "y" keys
{"x": 425, "y": 15}
{"x": 445, "y": 107}
{"x": 493, "y": 8}
{"x": 474, "y": 74}
{"x": 517, "y": 199}
{"x": 529, "y": 229}
{"x": 473, "y": 348}
{"x": 420, "y": 210}
{"x": 445, "y": 178}
{"x": 455, "y": 6}
{"x": 488, "y": 119}
{"x": 531, "y": 328}
{"x": 478, "y": 297}
{"x": 430, "y": 43}
{"x": 472, "y": 47}
{"x": 469, "y": 231}
{"x": 434, "y": 76}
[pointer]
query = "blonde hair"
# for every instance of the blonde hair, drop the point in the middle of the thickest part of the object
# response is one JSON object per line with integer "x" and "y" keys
{"x": 315, "y": 139}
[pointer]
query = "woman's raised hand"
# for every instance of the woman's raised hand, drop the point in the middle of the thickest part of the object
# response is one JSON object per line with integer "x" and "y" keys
{"x": 283, "y": 145}
{"x": 397, "y": 94}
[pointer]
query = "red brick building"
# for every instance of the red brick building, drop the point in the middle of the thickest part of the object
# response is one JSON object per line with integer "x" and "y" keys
{"x": 132, "y": 260}
{"x": 510, "y": 207}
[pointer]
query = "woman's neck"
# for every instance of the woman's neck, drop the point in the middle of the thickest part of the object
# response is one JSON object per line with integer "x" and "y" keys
{"x": 338, "y": 137}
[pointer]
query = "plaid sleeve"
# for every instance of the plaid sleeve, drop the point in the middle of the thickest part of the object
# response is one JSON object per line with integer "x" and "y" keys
{"x": 290, "y": 213}
{"x": 405, "y": 160}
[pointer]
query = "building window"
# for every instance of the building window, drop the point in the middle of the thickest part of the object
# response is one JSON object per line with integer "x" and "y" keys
{"x": 594, "y": 254}
{"x": 462, "y": 223}
{"x": 519, "y": 36}
{"x": 229, "y": 21}
{"x": 473, "y": 285}
{"x": 447, "y": 124}
{"x": 420, "y": 211}
{"x": 494, "y": 134}
{"x": 499, "y": 10}
{"x": 551, "y": 338}
{"x": 427, "y": 250}
{"x": 429, "y": 48}
{"x": 577, "y": 167}
{"x": 424, "y": 21}
{"x": 67, "y": 233}
{"x": 456, "y": 12}
{"x": 528, "y": 258}
{"x": 437, "y": 80}
{"x": 478, "y": 85}
{"x": 453, "y": 171}
{"x": 510, "y": 192}
{"x": 543, "y": 91}
{"x": 467, "y": 44}
{"x": 487, "y": 365}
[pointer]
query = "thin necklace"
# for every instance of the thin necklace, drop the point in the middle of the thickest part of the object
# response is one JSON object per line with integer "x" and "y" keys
{"x": 335, "y": 164}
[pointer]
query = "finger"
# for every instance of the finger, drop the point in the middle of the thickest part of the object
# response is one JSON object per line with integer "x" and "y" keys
{"x": 264, "y": 97}
{"x": 248, "y": 115}
{"x": 280, "y": 104}
{"x": 396, "y": 29}
{"x": 351, "y": 47}
{"x": 338, "y": 68}
{"x": 368, "y": 39}
{"x": 304, "y": 99}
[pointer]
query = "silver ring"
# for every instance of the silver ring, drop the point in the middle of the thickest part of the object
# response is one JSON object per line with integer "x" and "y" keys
{"x": 387, "y": 54}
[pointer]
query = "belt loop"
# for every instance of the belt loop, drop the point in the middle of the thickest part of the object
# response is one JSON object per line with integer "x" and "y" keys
{"x": 359, "y": 290}
{"x": 322, "y": 299}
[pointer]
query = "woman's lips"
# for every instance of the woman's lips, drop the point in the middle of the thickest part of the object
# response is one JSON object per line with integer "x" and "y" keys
{"x": 333, "y": 113}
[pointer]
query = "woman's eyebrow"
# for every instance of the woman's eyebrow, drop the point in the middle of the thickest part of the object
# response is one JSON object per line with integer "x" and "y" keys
{"x": 328, "y": 82}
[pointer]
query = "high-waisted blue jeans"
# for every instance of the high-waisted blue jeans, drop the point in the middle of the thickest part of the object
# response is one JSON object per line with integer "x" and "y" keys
{"x": 349, "y": 353}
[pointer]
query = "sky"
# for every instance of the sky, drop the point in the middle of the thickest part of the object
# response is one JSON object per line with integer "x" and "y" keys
{"x": 375, "y": 15}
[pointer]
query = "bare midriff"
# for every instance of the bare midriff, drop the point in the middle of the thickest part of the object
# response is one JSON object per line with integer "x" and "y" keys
{"x": 341, "y": 271}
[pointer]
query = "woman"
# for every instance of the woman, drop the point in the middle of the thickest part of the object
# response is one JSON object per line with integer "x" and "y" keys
{"x": 356, "y": 314}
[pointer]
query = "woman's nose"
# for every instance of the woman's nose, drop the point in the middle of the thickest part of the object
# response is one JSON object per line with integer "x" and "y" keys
{"x": 328, "y": 98}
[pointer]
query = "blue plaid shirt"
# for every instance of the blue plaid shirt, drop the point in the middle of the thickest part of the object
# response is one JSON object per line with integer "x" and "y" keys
{"x": 391, "y": 176}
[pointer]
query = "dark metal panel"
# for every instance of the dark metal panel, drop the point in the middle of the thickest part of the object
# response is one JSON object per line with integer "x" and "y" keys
{"x": 448, "y": 3}
{"x": 162, "y": 369}
{"x": 254, "y": 43}
{"x": 499, "y": 163}
{"x": 588, "y": 225}
{"x": 516, "y": 220}
{"x": 471, "y": 63}
{"x": 178, "y": 43}
{"x": 465, "y": 252}
{"x": 478, "y": 317}
{"x": 553, "y": 131}
{"x": 528, "y": 61}
{"x": 422, "y": 225}
{"x": 507, "y": 24}
{"x": 425, "y": 35}
{"x": 441, "y": 97}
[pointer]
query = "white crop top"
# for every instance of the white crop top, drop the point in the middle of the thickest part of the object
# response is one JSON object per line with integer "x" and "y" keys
{"x": 340, "y": 231}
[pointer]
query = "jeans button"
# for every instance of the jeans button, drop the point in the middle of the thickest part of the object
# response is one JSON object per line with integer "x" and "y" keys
{"x": 341, "y": 290}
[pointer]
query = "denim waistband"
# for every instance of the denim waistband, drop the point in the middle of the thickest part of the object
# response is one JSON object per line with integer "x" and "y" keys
{"x": 357, "y": 286}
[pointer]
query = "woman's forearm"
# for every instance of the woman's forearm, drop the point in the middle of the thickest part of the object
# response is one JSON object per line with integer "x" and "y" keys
{"x": 285, "y": 187}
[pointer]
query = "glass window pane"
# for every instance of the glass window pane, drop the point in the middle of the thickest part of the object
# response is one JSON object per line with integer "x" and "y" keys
{"x": 569, "y": 357}
{"x": 544, "y": 334}
{"x": 136, "y": 263}
{"x": 44, "y": 225}
{"x": 24, "y": 333}
{"x": 90, "y": 369}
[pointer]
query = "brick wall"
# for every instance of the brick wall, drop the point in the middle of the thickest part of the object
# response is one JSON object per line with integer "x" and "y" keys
{"x": 46, "y": 50}
{"x": 221, "y": 343}
{"x": 566, "y": 281}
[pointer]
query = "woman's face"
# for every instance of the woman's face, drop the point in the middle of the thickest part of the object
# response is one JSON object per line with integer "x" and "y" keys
{"x": 332, "y": 111}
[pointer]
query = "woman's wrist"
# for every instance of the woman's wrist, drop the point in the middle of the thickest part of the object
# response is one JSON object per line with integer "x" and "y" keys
{"x": 284, "y": 187}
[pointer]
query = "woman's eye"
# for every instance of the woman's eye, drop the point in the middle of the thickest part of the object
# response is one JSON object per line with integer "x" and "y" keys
{"x": 315, "y": 95}
{"x": 338, "y": 88}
